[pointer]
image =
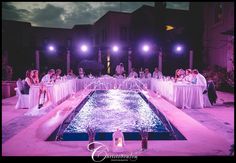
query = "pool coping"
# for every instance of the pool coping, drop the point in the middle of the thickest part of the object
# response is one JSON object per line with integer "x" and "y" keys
{"x": 200, "y": 140}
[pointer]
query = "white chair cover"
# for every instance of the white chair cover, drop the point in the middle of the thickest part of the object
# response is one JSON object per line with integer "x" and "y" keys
{"x": 23, "y": 99}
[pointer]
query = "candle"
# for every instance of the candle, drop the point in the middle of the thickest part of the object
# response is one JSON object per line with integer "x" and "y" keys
{"x": 119, "y": 142}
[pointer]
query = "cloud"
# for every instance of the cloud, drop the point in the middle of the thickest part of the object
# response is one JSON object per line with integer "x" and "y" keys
{"x": 68, "y": 14}
{"x": 82, "y": 13}
{"x": 50, "y": 16}
{"x": 178, "y": 5}
{"x": 131, "y": 6}
{"x": 87, "y": 13}
{"x": 10, "y": 12}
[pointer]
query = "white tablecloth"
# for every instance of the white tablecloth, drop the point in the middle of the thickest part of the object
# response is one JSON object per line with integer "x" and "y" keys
{"x": 164, "y": 88}
{"x": 183, "y": 95}
{"x": 58, "y": 92}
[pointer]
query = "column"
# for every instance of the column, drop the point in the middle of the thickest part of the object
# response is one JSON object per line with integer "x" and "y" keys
{"x": 99, "y": 60}
{"x": 68, "y": 60}
{"x": 108, "y": 62}
{"x": 191, "y": 59}
{"x": 99, "y": 56}
{"x": 37, "y": 59}
{"x": 160, "y": 61}
{"x": 129, "y": 61}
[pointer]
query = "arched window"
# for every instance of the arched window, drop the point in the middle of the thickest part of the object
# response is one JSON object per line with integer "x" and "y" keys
{"x": 218, "y": 12}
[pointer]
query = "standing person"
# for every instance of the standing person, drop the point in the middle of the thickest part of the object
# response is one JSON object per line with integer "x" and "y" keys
{"x": 120, "y": 70}
{"x": 157, "y": 74}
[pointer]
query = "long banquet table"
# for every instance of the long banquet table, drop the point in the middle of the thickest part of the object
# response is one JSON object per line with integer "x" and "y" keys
{"x": 183, "y": 95}
{"x": 57, "y": 91}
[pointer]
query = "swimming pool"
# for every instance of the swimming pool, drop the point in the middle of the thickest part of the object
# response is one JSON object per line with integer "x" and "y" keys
{"x": 107, "y": 110}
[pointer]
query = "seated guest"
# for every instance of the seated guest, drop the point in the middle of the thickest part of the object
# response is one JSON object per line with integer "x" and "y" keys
{"x": 179, "y": 75}
{"x": 81, "y": 73}
{"x": 182, "y": 72}
{"x": 54, "y": 77}
{"x": 90, "y": 75}
{"x": 48, "y": 77}
{"x": 70, "y": 74}
{"x": 35, "y": 76}
{"x": 58, "y": 74}
{"x": 147, "y": 74}
{"x": 201, "y": 80}
{"x": 120, "y": 70}
{"x": 157, "y": 74}
{"x": 133, "y": 74}
{"x": 176, "y": 73}
{"x": 141, "y": 73}
{"x": 188, "y": 75}
{"x": 27, "y": 82}
{"x": 194, "y": 76}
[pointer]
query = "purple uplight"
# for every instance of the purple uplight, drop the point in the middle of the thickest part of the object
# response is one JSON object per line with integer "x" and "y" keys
{"x": 146, "y": 48}
{"x": 115, "y": 48}
{"x": 51, "y": 48}
{"x": 178, "y": 48}
{"x": 84, "y": 48}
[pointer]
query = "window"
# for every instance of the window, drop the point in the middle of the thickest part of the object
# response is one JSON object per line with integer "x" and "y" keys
{"x": 218, "y": 12}
{"x": 123, "y": 33}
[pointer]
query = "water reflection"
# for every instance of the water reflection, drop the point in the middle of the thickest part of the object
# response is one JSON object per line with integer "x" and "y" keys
{"x": 107, "y": 110}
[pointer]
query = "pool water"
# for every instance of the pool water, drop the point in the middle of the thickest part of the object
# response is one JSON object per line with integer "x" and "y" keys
{"x": 107, "y": 110}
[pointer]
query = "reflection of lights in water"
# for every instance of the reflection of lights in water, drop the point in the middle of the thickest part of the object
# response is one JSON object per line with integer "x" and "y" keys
{"x": 108, "y": 110}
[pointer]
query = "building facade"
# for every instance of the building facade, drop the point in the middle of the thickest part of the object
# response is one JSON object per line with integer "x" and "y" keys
{"x": 219, "y": 34}
{"x": 127, "y": 30}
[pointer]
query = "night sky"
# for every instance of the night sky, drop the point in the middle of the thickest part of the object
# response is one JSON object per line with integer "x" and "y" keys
{"x": 68, "y": 14}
